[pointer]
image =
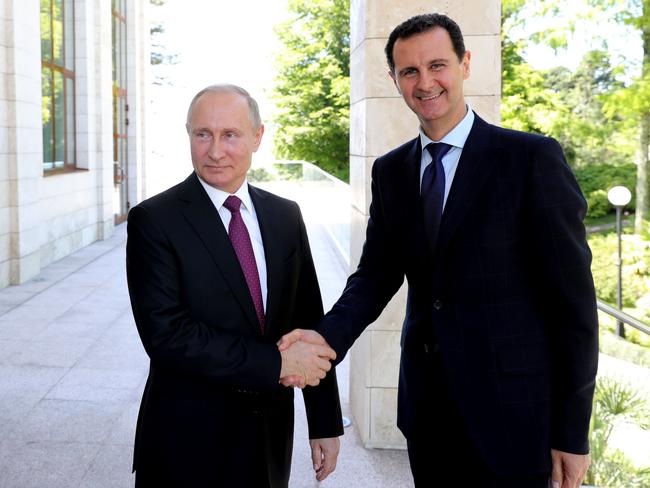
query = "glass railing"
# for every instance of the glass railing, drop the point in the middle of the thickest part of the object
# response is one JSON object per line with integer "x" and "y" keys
{"x": 322, "y": 197}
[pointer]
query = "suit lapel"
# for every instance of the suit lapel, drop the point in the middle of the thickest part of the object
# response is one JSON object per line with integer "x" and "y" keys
{"x": 413, "y": 209}
{"x": 266, "y": 217}
{"x": 204, "y": 218}
{"x": 476, "y": 163}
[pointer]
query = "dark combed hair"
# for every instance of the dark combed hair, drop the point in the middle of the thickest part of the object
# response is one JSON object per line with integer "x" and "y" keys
{"x": 424, "y": 23}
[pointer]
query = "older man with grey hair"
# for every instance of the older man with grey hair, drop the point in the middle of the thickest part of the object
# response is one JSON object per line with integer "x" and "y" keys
{"x": 218, "y": 271}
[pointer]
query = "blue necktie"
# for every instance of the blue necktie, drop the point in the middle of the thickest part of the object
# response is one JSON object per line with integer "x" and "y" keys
{"x": 432, "y": 192}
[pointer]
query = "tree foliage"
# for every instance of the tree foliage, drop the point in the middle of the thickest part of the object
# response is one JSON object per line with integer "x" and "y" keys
{"x": 601, "y": 111}
{"x": 312, "y": 87}
{"x": 159, "y": 54}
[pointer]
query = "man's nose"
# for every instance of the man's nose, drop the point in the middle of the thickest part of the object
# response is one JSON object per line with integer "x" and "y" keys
{"x": 215, "y": 151}
{"x": 427, "y": 81}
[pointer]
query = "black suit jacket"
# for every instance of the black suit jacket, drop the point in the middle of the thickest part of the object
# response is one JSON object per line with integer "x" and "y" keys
{"x": 213, "y": 413}
{"x": 507, "y": 295}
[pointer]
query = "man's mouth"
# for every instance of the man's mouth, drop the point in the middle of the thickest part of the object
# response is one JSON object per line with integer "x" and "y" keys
{"x": 431, "y": 97}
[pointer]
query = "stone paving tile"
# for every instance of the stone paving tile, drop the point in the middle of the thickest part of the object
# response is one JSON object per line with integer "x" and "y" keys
{"x": 13, "y": 296}
{"x": 68, "y": 421}
{"x": 61, "y": 352}
{"x": 28, "y": 381}
{"x": 110, "y": 469}
{"x": 42, "y": 464}
{"x": 105, "y": 355}
{"x": 100, "y": 386}
{"x": 22, "y": 329}
{"x": 91, "y": 312}
{"x": 64, "y": 328}
{"x": 123, "y": 429}
{"x": 12, "y": 410}
{"x": 8, "y": 348}
{"x": 25, "y": 314}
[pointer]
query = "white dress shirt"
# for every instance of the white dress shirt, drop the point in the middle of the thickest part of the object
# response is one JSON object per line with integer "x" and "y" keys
{"x": 249, "y": 216}
{"x": 455, "y": 138}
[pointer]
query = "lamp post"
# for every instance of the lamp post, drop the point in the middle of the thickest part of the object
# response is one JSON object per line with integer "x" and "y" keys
{"x": 619, "y": 196}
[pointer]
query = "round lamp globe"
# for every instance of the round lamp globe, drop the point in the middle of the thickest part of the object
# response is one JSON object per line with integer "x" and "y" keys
{"x": 619, "y": 196}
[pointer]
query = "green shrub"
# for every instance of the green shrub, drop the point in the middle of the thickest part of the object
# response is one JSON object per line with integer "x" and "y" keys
{"x": 614, "y": 402}
{"x": 636, "y": 267}
{"x": 595, "y": 180}
{"x": 599, "y": 206}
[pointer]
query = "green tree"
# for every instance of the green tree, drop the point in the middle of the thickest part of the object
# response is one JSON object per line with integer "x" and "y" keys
{"x": 634, "y": 100}
{"x": 627, "y": 105}
{"x": 159, "y": 55}
{"x": 567, "y": 105}
{"x": 312, "y": 89}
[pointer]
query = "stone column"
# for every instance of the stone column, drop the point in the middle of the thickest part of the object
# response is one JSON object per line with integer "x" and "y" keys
{"x": 379, "y": 122}
{"x": 21, "y": 145}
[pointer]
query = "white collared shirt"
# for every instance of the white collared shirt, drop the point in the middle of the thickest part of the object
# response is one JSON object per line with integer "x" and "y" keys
{"x": 455, "y": 138}
{"x": 249, "y": 216}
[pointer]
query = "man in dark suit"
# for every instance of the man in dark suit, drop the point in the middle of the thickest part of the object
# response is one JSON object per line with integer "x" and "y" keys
{"x": 499, "y": 342}
{"x": 217, "y": 271}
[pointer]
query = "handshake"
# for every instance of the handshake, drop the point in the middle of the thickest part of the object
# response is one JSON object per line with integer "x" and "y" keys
{"x": 306, "y": 358}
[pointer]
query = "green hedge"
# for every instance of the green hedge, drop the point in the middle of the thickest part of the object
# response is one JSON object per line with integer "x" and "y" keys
{"x": 596, "y": 179}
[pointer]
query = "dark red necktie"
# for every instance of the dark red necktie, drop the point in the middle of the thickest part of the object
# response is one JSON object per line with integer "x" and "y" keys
{"x": 241, "y": 242}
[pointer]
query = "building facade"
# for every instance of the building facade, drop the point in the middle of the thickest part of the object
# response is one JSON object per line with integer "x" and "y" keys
{"x": 73, "y": 77}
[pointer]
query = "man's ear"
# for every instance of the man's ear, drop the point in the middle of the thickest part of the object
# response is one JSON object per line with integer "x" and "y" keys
{"x": 258, "y": 137}
{"x": 466, "y": 64}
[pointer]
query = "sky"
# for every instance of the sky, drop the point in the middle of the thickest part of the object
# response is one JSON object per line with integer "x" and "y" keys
{"x": 217, "y": 41}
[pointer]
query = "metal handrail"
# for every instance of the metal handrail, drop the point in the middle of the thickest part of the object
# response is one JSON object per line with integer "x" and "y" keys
{"x": 623, "y": 317}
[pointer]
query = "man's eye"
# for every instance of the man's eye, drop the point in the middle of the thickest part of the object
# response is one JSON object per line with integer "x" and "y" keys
{"x": 409, "y": 72}
{"x": 437, "y": 66}
{"x": 202, "y": 135}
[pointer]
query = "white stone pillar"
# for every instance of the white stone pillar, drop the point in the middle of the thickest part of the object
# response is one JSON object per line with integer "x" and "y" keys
{"x": 379, "y": 122}
{"x": 21, "y": 144}
{"x": 103, "y": 122}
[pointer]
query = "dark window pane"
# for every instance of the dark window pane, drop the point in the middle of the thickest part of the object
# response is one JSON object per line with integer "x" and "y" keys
{"x": 48, "y": 140}
{"x": 59, "y": 141}
{"x": 46, "y": 30}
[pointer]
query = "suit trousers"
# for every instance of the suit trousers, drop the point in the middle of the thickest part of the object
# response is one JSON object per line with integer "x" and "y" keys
{"x": 214, "y": 473}
{"x": 441, "y": 452}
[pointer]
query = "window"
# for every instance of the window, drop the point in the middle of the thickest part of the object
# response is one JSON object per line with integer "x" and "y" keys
{"x": 58, "y": 84}
{"x": 120, "y": 106}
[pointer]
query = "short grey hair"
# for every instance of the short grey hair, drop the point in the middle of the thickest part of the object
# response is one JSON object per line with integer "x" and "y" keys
{"x": 253, "y": 108}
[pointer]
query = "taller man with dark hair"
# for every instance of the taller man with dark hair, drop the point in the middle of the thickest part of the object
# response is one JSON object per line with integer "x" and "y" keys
{"x": 500, "y": 338}
{"x": 218, "y": 270}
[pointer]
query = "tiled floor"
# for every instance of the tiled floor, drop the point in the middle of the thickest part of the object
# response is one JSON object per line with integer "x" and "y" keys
{"x": 72, "y": 370}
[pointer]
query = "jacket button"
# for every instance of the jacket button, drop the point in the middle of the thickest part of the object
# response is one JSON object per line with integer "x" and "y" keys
{"x": 437, "y": 304}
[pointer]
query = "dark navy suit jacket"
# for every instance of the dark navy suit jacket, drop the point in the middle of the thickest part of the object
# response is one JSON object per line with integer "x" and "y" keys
{"x": 507, "y": 295}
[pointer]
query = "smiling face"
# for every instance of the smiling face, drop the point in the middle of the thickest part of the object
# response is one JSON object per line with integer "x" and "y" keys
{"x": 222, "y": 139}
{"x": 430, "y": 78}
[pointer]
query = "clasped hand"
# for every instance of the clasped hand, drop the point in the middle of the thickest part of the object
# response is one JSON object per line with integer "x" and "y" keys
{"x": 306, "y": 358}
